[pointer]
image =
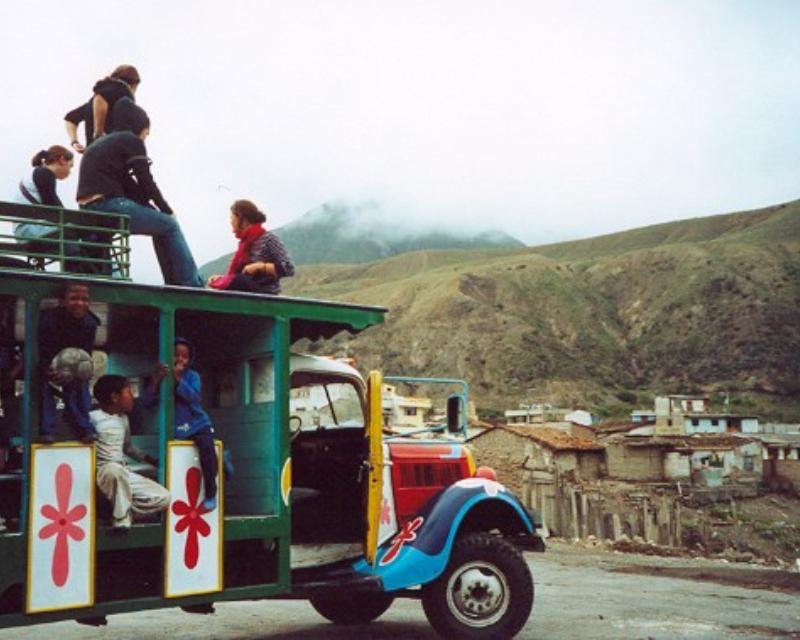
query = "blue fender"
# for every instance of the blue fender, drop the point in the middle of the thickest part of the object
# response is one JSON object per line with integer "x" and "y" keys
{"x": 420, "y": 551}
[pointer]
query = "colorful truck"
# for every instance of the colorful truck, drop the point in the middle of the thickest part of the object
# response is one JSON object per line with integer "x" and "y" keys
{"x": 324, "y": 507}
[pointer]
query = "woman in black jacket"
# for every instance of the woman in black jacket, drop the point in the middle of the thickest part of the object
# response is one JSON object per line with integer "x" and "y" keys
{"x": 115, "y": 178}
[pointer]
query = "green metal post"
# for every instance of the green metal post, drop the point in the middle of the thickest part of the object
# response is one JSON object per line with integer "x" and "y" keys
{"x": 166, "y": 346}
{"x": 30, "y": 402}
{"x": 281, "y": 347}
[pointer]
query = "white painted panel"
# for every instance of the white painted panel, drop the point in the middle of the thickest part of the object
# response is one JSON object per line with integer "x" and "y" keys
{"x": 194, "y": 537}
{"x": 388, "y": 518}
{"x": 61, "y": 528}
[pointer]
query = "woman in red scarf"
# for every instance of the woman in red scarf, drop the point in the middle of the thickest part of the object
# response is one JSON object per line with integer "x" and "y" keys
{"x": 260, "y": 261}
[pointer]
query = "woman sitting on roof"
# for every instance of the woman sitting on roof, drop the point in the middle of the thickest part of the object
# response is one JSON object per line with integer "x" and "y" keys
{"x": 39, "y": 187}
{"x": 260, "y": 261}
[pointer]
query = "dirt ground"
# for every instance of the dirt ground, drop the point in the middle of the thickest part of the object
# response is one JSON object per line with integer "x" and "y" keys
{"x": 580, "y": 593}
{"x": 766, "y": 527}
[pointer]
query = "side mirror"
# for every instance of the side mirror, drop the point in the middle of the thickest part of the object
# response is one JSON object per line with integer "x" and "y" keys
{"x": 454, "y": 414}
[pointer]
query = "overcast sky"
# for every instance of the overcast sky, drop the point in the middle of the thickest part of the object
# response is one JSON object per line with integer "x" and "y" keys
{"x": 548, "y": 120}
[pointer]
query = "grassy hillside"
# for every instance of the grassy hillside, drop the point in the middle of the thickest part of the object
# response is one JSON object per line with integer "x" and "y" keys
{"x": 711, "y": 304}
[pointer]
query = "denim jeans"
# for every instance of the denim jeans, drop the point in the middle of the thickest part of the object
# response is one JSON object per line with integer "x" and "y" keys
{"x": 173, "y": 254}
{"x": 32, "y": 231}
{"x": 204, "y": 440}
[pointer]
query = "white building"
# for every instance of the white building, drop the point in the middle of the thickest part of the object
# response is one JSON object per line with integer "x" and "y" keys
{"x": 403, "y": 411}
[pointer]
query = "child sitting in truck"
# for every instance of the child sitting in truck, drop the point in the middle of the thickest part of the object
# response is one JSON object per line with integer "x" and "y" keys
{"x": 191, "y": 421}
{"x": 71, "y": 324}
{"x": 129, "y": 493}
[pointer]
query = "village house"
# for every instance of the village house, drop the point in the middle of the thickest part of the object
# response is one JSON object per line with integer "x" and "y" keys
{"x": 704, "y": 459}
{"x": 509, "y": 449}
{"x": 537, "y": 462}
{"x": 643, "y": 415}
{"x": 528, "y": 414}
{"x": 682, "y": 414}
{"x": 405, "y": 412}
{"x": 781, "y": 443}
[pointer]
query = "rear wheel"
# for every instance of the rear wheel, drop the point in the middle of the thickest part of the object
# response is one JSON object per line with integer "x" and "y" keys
{"x": 486, "y": 591}
{"x": 350, "y": 609}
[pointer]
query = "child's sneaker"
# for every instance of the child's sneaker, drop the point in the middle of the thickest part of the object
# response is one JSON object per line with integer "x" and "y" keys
{"x": 209, "y": 504}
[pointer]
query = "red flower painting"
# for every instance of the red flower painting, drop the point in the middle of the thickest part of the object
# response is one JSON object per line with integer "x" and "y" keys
{"x": 62, "y": 524}
{"x": 407, "y": 534}
{"x": 192, "y": 519}
{"x": 386, "y": 512}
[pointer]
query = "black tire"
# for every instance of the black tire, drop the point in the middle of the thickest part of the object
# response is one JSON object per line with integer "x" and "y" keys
{"x": 486, "y": 591}
{"x": 352, "y": 609}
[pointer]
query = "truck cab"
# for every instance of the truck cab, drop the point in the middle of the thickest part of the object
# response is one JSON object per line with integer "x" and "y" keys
{"x": 385, "y": 517}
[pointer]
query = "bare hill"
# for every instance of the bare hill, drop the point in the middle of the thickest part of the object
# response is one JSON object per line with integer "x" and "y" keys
{"x": 708, "y": 304}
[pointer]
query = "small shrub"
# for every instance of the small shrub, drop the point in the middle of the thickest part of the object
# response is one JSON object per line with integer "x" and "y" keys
{"x": 720, "y": 511}
{"x": 626, "y": 396}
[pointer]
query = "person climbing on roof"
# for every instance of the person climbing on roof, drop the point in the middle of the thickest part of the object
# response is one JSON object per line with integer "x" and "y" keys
{"x": 115, "y": 178}
{"x": 98, "y": 113}
{"x": 260, "y": 260}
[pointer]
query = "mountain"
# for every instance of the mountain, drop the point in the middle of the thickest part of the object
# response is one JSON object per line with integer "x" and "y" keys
{"x": 710, "y": 304}
{"x": 345, "y": 234}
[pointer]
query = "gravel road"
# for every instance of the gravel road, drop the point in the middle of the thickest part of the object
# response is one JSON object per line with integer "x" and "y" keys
{"x": 580, "y": 593}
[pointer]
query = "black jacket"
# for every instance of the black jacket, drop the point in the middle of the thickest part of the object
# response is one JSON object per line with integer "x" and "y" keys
{"x": 108, "y": 165}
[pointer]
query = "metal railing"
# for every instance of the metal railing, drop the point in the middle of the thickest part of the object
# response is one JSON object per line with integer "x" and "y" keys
{"x": 92, "y": 243}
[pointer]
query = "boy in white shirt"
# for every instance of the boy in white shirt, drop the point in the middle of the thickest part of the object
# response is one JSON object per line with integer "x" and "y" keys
{"x": 130, "y": 493}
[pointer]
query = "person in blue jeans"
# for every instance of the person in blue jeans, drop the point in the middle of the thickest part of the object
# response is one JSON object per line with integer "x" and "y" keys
{"x": 115, "y": 178}
{"x": 70, "y": 324}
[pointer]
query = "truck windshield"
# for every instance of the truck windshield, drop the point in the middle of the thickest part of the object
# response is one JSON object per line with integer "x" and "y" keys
{"x": 334, "y": 404}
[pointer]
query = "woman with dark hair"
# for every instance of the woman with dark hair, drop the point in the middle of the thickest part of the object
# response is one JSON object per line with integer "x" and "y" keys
{"x": 115, "y": 178}
{"x": 260, "y": 261}
{"x": 39, "y": 187}
{"x": 98, "y": 114}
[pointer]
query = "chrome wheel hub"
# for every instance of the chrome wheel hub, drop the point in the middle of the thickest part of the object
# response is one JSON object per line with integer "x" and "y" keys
{"x": 477, "y": 594}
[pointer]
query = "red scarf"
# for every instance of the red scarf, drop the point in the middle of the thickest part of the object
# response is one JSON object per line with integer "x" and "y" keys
{"x": 242, "y": 256}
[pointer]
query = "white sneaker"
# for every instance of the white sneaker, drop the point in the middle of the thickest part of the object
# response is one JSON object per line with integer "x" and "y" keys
{"x": 122, "y": 523}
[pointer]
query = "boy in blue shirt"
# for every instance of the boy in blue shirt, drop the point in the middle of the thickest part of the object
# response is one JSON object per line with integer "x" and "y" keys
{"x": 191, "y": 421}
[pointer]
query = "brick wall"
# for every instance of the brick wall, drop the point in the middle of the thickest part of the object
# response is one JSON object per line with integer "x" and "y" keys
{"x": 788, "y": 470}
{"x": 634, "y": 463}
{"x": 505, "y": 453}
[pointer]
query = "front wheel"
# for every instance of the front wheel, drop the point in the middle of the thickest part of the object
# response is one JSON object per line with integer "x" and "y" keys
{"x": 486, "y": 591}
{"x": 349, "y": 609}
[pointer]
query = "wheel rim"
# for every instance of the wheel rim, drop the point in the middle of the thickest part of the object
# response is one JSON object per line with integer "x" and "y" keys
{"x": 477, "y": 594}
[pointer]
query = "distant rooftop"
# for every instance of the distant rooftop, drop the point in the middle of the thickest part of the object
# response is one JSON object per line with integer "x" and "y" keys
{"x": 551, "y": 438}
